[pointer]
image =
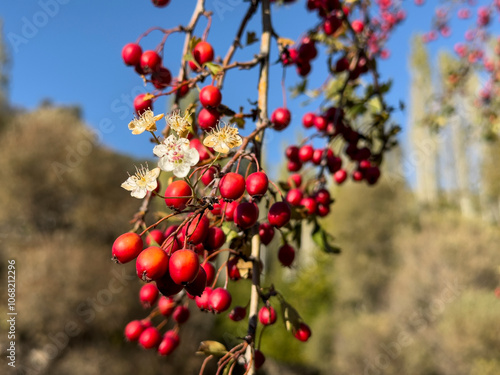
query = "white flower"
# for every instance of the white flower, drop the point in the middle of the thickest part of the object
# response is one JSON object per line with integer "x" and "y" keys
{"x": 176, "y": 156}
{"x": 143, "y": 181}
{"x": 181, "y": 125}
{"x": 146, "y": 121}
{"x": 223, "y": 139}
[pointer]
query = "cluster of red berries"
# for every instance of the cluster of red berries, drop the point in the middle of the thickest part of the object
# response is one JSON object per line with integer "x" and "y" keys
{"x": 149, "y": 64}
{"x": 301, "y": 56}
{"x": 210, "y": 99}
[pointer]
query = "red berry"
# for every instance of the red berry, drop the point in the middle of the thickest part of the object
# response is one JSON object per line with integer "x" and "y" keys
{"x": 259, "y": 359}
{"x": 141, "y": 104}
{"x": 220, "y": 300}
{"x": 215, "y": 238}
{"x": 167, "y": 287}
{"x": 160, "y": 3}
{"x": 181, "y": 314}
{"x": 281, "y": 118}
{"x": 152, "y": 264}
{"x": 237, "y": 313}
{"x": 161, "y": 78}
{"x": 317, "y": 156}
{"x": 210, "y": 271}
{"x": 331, "y": 24}
{"x": 342, "y": 65}
{"x": 178, "y": 188}
{"x": 155, "y": 237}
{"x": 126, "y": 247}
{"x": 303, "y": 332}
{"x": 184, "y": 266}
{"x": 210, "y": 96}
{"x": 294, "y": 166}
{"x": 292, "y": 153}
{"x": 208, "y": 175}
{"x": 309, "y": 204}
{"x": 246, "y": 215}
{"x": 308, "y": 120}
{"x": 198, "y": 285}
{"x": 233, "y": 270}
{"x": 279, "y": 214}
{"x": 295, "y": 180}
{"x": 203, "y": 301}
{"x": 182, "y": 87}
{"x": 320, "y": 123}
{"x": 303, "y": 68}
{"x": 294, "y": 197}
{"x": 232, "y": 186}
{"x": 131, "y": 54}
{"x": 229, "y": 208}
{"x": 208, "y": 118}
{"x": 202, "y": 53}
{"x": 133, "y": 330}
{"x": 334, "y": 163}
{"x": 286, "y": 255}
{"x": 167, "y": 345}
{"x": 306, "y": 153}
{"x": 372, "y": 175}
{"x": 358, "y": 26}
{"x": 257, "y": 183}
{"x": 323, "y": 197}
{"x": 197, "y": 230}
{"x": 150, "y": 61}
{"x": 202, "y": 150}
{"x": 150, "y": 338}
{"x": 148, "y": 295}
{"x": 166, "y": 305}
{"x": 357, "y": 176}
{"x": 322, "y": 210}
{"x": 267, "y": 315}
{"x": 340, "y": 176}
{"x": 266, "y": 233}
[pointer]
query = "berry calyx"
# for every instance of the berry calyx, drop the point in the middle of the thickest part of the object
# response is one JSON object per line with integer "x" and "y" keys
{"x": 126, "y": 247}
{"x": 184, "y": 266}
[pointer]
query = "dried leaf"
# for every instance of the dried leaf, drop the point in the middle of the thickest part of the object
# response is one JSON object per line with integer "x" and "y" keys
{"x": 210, "y": 347}
{"x": 251, "y": 37}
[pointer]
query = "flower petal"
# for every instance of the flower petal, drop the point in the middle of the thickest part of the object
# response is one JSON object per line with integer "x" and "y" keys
{"x": 181, "y": 170}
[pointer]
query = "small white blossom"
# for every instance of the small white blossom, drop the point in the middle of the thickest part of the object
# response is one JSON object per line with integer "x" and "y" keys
{"x": 176, "y": 156}
{"x": 146, "y": 121}
{"x": 143, "y": 181}
{"x": 223, "y": 139}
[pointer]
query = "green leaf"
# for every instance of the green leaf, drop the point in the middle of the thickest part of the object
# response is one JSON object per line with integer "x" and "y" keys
{"x": 229, "y": 231}
{"x": 193, "y": 42}
{"x": 291, "y": 317}
{"x": 251, "y": 37}
{"x": 322, "y": 239}
{"x": 213, "y": 68}
{"x": 189, "y": 57}
{"x": 239, "y": 121}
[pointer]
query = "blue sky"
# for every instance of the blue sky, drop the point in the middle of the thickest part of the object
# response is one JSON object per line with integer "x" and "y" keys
{"x": 68, "y": 51}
